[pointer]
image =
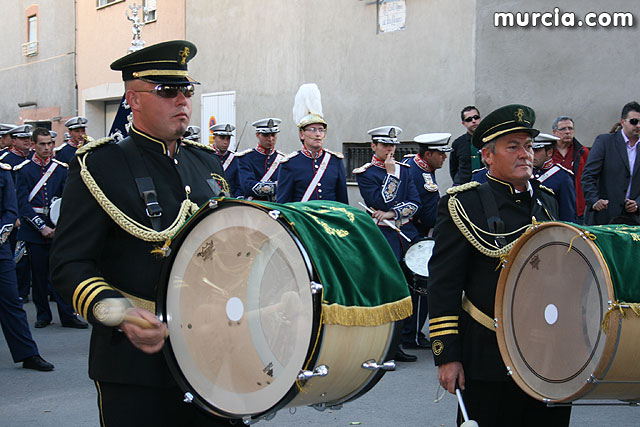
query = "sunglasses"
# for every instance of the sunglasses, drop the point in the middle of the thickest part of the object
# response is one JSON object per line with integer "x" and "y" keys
{"x": 171, "y": 91}
{"x": 472, "y": 118}
{"x": 634, "y": 122}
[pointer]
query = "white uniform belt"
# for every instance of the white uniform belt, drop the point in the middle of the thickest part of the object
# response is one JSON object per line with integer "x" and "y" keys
{"x": 38, "y": 210}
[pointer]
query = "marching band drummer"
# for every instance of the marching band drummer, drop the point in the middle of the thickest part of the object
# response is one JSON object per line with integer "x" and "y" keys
{"x": 77, "y": 127}
{"x": 257, "y": 168}
{"x": 222, "y": 133}
{"x": 38, "y": 181}
{"x": 432, "y": 152}
{"x": 387, "y": 188}
{"x": 313, "y": 172}
{"x": 476, "y": 225}
{"x": 102, "y": 263}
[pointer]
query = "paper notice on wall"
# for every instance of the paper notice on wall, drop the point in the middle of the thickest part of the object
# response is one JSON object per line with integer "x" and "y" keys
{"x": 392, "y": 15}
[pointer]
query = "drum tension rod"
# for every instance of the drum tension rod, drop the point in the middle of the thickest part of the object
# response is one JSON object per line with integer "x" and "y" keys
{"x": 274, "y": 214}
{"x": 248, "y": 420}
{"x": 593, "y": 380}
{"x": 319, "y": 371}
{"x": 371, "y": 364}
{"x": 316, "y": 287}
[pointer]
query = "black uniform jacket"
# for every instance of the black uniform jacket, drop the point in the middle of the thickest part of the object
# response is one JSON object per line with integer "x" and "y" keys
{"x": 93, "y": 258}
{"x": 457, "y": 266}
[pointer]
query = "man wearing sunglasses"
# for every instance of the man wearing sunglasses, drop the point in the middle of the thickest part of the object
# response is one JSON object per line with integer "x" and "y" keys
{"x": 465, "y": 157}
{"x": 611, "y": 179}
{"x": 120, "y": 201}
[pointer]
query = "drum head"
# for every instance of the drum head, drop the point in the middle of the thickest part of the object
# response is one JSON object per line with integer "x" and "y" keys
{"x": 550, "y": 303}
{"x": 418, "y": 255}
{"x": 239, "y": 310}
{"x": 54, "y": 211}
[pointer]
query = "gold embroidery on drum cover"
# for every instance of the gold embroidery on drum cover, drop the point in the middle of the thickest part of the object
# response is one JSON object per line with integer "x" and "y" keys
{"x": 326, "y": 227}
{"x": 437, "y": 347}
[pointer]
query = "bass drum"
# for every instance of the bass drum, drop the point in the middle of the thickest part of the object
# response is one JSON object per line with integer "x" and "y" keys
{"x": 553, "y": 298}
{"x": 244, "y": 320}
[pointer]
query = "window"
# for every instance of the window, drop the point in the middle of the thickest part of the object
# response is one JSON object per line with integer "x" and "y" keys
{"x": 150, "y": 7}
{"x": 103, "y": 3}
{"x": 357, "y": 154}
{"x": 30, "y": 48}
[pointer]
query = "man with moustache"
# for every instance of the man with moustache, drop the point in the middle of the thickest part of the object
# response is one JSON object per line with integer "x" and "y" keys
{"x": 257, "y": 167}
{"x": 611, "y": 176}
{"x": 476, "y": 223}
{"x": 222, "y": 133}
{"x": 465, "y": 158}
{"x": 39, "y": 181}
{"x": 99, "y": 262}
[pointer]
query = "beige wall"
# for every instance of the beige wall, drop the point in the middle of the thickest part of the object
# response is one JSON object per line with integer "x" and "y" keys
{"x": 585, "y": 73}
{"x": 104, "y": 35}
{"x": 418, "y": 78}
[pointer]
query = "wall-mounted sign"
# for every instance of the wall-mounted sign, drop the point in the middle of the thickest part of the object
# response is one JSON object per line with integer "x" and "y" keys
{"x": 392, "y": 15}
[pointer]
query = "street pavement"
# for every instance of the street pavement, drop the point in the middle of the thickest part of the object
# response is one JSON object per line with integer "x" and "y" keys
{"x": 66, "y": 396}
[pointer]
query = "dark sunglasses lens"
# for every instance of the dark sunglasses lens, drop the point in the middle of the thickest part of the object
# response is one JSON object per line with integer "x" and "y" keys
{"x": 634, "y": 122}
{"x": 472, "y": 118}
{"x": 172, "y": 91}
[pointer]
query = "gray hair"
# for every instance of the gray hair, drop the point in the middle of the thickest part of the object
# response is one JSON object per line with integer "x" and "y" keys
{"x": 491, "y": 146}
{"x": 561, "y": 119}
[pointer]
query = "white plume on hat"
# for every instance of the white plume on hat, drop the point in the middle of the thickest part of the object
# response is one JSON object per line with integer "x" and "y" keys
{"x": 307, "y": 106}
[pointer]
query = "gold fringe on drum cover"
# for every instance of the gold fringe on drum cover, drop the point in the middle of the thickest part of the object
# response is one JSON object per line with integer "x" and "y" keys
{"x": 619, "y": 306}
{"x": 334, "y": 314}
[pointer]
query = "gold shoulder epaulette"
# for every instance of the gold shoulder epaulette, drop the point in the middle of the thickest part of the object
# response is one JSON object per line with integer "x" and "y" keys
{"x": 197, "y": 145}
{"x": 362, "y": 168}
{"x": 464, "y": 187}
{"x": 92, "y": 145}
{"x": 565, "y": 169}
{"x": 547, "y": 189}
{"x": 242, "y": 153}
{"x": 5, "y": 166}
{"x": 60, "y": 147}
{"x": 335, "y": 153}
{"x": 18, "y": 167}
{"x": 289, "y": 156}
{"x": 61, "y": 163}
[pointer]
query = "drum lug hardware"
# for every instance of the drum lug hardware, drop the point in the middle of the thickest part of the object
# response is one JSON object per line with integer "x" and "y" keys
{"x": 188, "y": 397}
{"x": 591, "y": 379}
{"x": 319, "y": 371}
{"x": 319, "y": 406}
{"x": 509, "y": 371}
{"x": 274, "y": 214}
{"x": 316, "y": 287}
{"x": 386, "y": 366}
{"x": 213, "y": 204}
{"x": 335, "y": 407}
{"x": 495, "y": 322}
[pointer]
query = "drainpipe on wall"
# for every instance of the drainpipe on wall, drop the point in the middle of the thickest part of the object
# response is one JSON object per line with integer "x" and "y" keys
{"x": 75, "y": 52}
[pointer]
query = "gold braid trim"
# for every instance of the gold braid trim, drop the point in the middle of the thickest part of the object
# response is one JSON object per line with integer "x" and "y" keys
{"x": 137, "y": 230}
{"x": 88, "y": 146}
{"x": 457, "y": 212}
{"x": 334, "y": 314}
{"x": 620, "y": 308}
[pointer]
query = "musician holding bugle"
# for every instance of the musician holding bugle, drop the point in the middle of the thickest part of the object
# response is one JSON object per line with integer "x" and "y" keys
{"x": 388, "y": 190}
{"x": 122, "y": 201}
{"x": 475, "y": 228}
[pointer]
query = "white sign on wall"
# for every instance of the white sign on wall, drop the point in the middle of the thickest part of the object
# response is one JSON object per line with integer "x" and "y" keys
{"x": 392, "y": 15}
{"x": 217, "y": 107}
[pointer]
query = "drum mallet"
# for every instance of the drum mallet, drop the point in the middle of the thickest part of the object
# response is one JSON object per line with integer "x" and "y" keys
{"x": 387, "y": 222}
{"x": 112, "y": 312}
{"x": 463, "y": 409}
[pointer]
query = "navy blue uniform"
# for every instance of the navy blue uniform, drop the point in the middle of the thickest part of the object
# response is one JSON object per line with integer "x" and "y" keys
{"x": 13, "y": 158}
{"x": 299, "y": 168}
{"x": 230, "y": 171}
{"x": 425, "y": 181}
{"x": 12, "y": 316}
{"x": 65, "y": 152}
{"x": 252, "y": 167}
{"x": 479, "y": 175}
{"x": 34, "y": 211}
{"x": 385, "y": 192}
{"x": 560, "y": 180}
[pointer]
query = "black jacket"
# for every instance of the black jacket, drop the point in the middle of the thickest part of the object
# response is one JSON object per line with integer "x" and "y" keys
{"x": 457, "y": 266}
{"x": 460, "y": 159}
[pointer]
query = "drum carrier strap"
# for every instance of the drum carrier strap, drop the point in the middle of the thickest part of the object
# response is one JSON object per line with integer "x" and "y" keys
{"x": 490, "y": 207}
{"x": 146, "y": 188}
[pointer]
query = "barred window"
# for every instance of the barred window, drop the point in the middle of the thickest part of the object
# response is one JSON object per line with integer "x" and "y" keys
{"x": 357, "y": 154}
